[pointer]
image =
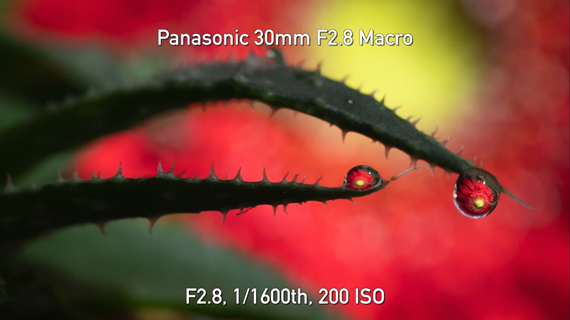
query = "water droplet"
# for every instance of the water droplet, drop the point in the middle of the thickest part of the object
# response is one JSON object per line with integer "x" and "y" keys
{"x": 476, "y": 193}
{"x": 270, "y": 54}
{"x": 350, "y": 101}
{"x": 362, "y": 178}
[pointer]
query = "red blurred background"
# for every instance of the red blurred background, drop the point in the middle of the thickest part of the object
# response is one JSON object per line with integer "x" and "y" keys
{"x": 409, "y": 240}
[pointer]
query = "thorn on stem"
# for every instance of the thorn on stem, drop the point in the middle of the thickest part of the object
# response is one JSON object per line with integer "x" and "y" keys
{"x": 238, "y": 175}
{"x": 460, "y": 151}
{"x": 434, "y": 132}
{"x": 119, "y": 172}
{"x": 265, "y": 179}
{"x": 387, "y": 149}
{"x": 75, "y": 176}
{"x": 212, "y": 173}
{"x": 415, "y": 122}
{"x": 181, "y": 173}
{"x": 319, "y": 67}
{"x": 318, "y": 180}
{"x": 414, "y": 161}
{"x": 152, "y": 221}
{"x": 273, "y": 111}
{"x": 101, "y": 226}
{"x": 343, "y": 135}
{"x": 171, "y": 171}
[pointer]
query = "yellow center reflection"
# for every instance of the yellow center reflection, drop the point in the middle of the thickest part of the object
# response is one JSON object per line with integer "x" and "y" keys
{"x": 479, "y": 203}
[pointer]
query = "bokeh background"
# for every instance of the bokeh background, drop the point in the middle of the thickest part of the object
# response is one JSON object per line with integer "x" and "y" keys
{"x": 494, "y": 75}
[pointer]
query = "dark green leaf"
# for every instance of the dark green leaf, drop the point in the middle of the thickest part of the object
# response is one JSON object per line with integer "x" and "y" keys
{"x": 141, "y": 270}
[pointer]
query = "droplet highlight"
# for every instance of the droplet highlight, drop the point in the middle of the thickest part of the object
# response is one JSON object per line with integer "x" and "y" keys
{"x": 270, "y": 54}
{"x": 362, "y": 178}
{"x": 476, "y": 193}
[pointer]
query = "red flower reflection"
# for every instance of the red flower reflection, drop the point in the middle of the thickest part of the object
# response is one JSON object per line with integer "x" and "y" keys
{"x": 362, "y": 178}
{"x": 473, "y": 197}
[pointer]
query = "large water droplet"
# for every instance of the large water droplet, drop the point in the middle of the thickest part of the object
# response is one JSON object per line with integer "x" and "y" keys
{"x": 362, "y": 178}
{"x": 476, "y": 193}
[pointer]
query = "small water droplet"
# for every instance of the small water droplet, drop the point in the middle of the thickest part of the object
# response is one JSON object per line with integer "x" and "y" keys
{"x": 350, "y": 101}
{"x": 476, "y": 193}
{"x": 270, "y": 54}
{"x": 362, "y": 178}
